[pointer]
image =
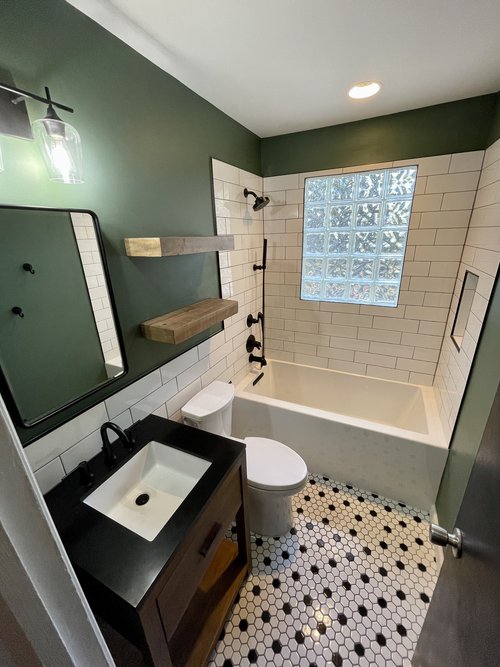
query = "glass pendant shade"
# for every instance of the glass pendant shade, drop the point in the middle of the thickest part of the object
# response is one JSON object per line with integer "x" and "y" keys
{"x": 1, "y": 161}
{"x": 61, "y": 148}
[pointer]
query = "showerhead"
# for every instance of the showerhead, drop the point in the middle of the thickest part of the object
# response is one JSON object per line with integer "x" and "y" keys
{"x": 259, "y": 203}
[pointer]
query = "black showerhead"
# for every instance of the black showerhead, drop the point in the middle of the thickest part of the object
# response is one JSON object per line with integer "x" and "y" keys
{"x": 259, "y": 203}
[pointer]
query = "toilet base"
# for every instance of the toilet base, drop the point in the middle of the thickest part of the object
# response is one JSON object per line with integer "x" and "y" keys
{"x": 269, "y": 513}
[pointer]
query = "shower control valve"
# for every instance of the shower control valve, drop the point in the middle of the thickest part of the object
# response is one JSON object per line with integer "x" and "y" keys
{"x": 254, "y": 320}
{"x": 252, "y": 343}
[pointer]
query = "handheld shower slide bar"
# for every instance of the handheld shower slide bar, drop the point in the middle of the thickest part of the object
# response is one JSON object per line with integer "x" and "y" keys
{"x": 261, "y": 315}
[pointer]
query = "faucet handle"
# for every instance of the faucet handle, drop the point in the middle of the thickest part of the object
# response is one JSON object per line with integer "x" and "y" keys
{"x": 86, "y": 475}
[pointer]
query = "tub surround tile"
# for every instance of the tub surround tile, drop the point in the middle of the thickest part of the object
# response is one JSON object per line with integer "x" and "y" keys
{"x": 481, "y": 255}
{"x": 441, "y": 212}
{"x": 350, "y": 584}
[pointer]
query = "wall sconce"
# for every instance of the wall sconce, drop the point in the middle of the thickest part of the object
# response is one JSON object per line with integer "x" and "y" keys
{"x": 58, "y": 141}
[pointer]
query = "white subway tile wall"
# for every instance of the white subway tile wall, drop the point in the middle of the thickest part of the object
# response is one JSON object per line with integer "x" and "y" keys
{"x": 396, "y": 343}
{"x": 223, "y": 357}
{"x": 481, "y": 256}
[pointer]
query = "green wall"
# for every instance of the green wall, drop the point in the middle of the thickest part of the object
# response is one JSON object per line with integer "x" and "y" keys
{"x": 495, "y": 124}
{"x": 476, "y": 405}
{"x": 147, "y": 142}
{"x": 445, "y": 128}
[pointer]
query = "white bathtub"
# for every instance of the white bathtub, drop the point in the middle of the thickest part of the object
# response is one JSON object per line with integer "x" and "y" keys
{"x": 379, "y": 435}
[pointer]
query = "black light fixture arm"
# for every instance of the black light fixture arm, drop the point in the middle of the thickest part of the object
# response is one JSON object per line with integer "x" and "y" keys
{"x": 25, "y": 93}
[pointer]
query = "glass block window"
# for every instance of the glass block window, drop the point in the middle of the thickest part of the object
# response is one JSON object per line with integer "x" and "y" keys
{"x": 355, "y": 231}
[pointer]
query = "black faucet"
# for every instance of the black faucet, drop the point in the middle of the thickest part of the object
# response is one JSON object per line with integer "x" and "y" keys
{"x": 127, "y": 440}
{"x": 261, "y": 360}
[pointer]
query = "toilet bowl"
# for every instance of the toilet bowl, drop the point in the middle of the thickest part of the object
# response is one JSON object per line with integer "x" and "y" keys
{"x": 275, "y": 472}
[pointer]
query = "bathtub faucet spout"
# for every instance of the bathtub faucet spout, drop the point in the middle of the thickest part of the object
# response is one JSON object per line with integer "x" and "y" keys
{"x": 261, "y": 360}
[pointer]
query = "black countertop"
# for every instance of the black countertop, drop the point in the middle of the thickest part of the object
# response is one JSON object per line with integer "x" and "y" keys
{"x": 110, "y": 554}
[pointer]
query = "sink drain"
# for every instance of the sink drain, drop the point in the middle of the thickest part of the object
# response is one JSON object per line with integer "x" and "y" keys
{"x": 142, "y": 499}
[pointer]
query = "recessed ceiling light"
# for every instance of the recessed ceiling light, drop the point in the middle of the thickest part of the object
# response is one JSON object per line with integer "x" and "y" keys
{"x": 364, "y": 89}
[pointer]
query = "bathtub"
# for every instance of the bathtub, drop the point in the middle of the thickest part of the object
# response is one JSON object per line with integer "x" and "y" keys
{"x": 379, "y": 435}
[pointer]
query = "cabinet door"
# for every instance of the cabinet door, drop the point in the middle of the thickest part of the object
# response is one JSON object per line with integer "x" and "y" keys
{"x": 200, "y": 546}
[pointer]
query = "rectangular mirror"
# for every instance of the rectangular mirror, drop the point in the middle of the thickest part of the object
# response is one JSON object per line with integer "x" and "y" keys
{"x": 58, "y": 336}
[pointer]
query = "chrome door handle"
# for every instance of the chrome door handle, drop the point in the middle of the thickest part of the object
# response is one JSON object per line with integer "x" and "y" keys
{"x": 439, "y": 535}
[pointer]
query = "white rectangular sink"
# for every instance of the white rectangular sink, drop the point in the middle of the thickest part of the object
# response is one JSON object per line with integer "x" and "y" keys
{"x": 144, "y": 493}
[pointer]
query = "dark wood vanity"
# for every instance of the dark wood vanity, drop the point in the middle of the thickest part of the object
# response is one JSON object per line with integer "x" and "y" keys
{"x": 169, "y": 597}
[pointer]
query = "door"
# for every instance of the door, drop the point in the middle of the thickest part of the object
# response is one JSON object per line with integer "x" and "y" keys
{"x": 462, "y": 626}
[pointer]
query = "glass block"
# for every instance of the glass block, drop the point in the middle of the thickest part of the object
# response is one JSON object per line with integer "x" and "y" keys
{"x": 365, "y": 243}
{"x": 397, "y": 213}
{"x": 313, "y": 268}
{"x": 389, "y": 269}
{"x": 315, "y": 189}
{"x": 367, "y": 215}
{"x": 340, "y": 216}
{"x": 314, "y": 217}
{"x": 401, "y": 182}
{"x": 386, "y": 294}
{"x": 314, "y": 243}
{"x": 338, "y": 242}
{"x": 362, "y": 269}
{"x": 335, "y": 291}
{"x": 336, "y": 268}
{"x": 359, "y": 292}
{"x": 393, "y": 242}
{"x": 342, "y": 188}
{"x": 370, "y": 185}
{"x": 311, "y": 289}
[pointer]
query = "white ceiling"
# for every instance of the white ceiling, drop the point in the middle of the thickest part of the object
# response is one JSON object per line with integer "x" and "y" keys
{"x": 280, "y": 66}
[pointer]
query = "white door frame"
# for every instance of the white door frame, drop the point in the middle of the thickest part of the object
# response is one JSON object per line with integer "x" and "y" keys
{"x": 45, "y": 617}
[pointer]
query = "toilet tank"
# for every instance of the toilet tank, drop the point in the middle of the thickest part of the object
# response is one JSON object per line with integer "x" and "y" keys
{"x": 211, "y": 409}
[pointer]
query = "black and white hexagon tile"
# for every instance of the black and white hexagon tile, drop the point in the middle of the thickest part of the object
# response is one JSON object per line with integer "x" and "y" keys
{"x": 348, "y": 585}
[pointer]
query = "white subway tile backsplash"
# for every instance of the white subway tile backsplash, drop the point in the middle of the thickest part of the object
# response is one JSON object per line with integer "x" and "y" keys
{"x": 132, "y": 394}
{"x": 50, "y": 475}
{"x": 65, "y": 436}
{"x": 82, "y": 451}
{"x": 153, "y": 401}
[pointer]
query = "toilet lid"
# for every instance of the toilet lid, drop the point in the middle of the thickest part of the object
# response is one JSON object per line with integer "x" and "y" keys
{"x": 209, "y": 400}
{"x": 271, "y": 465}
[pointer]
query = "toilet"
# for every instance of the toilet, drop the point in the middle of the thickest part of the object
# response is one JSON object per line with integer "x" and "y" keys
{"x": 274, "y": 471}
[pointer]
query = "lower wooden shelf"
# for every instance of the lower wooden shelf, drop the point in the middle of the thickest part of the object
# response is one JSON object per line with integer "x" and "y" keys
{"x": 179, "y": 325}
{"x": 200, "y": 627}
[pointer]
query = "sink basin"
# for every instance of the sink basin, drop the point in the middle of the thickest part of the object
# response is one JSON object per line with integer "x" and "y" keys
{"x": 143, "y": 494}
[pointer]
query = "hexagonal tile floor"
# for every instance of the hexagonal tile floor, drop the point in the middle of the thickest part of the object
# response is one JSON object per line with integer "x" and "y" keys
{"x": 348, "y": 585}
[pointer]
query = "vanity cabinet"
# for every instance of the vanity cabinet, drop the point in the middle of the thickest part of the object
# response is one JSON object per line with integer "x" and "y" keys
{"x": 197, "y": 589}
{"x": 169, "y": 596}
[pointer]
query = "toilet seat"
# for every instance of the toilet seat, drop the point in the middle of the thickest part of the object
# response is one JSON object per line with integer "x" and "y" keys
{"x": 272, "y": 466}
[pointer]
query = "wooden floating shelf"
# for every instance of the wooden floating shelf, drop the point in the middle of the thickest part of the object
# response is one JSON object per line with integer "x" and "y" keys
{"x": 179, "y": 325}
{"x": 169, "y": 246}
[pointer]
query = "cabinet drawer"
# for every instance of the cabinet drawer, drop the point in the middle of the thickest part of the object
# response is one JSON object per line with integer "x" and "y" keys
{"x": 201, "y": 545}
